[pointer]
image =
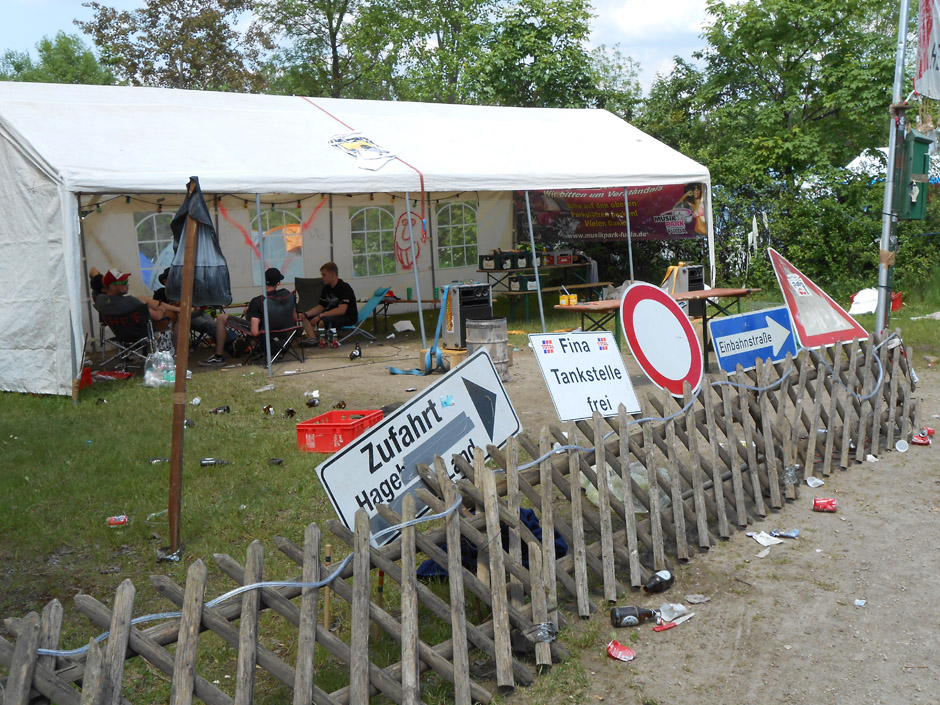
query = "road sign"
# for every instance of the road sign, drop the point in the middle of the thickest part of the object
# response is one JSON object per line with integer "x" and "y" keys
{"x": 584, "y": 373}
{"x": 817, "y": 319}
{"x": 742, "y": 339}
{"x": 661, "y": 338}
{"x": 465, "y": 409}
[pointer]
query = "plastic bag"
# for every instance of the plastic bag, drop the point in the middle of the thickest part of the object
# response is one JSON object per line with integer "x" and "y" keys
{"x": 211, "y": 285}
{"x": 160, "y": 369}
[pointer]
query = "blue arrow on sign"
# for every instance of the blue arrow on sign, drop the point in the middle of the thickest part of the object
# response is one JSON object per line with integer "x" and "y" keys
{"x": 743, "y": 339}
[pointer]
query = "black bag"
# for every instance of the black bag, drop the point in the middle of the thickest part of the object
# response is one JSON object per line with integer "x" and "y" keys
{"x": 211, "y": 285}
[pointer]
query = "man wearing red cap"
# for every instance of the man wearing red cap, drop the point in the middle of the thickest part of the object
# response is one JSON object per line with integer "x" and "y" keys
{"x": 123, "y": 314}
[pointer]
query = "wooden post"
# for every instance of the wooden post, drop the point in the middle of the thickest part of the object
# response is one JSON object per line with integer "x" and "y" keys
{"x": 179, "y": 390}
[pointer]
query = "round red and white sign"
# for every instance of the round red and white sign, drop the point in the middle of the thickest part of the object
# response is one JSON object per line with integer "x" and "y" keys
{"x": 661, "y": 338}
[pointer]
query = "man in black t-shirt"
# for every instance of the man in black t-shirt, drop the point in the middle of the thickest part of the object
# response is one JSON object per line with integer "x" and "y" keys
{"x": 337, "y": 306}
{"x": 282, "y": 314}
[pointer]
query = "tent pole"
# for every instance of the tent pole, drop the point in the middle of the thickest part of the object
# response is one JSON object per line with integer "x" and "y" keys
{"x": 179, "y": 389}
{"x": 414, "y": 267}
{"x": 538, "y": 283}
{"x": 264, "y": 285}
{"x": 626, "y": 211}
{"x": 331, "y": 228}
{"x": 81, "y": 240}
{"x": 431, "y": 245}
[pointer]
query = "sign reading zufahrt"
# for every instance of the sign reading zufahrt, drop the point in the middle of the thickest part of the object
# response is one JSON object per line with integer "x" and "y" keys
{"x": 467, "y": 408}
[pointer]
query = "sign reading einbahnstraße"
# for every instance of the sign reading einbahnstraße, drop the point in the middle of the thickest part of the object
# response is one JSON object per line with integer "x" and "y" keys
{"x": 465, "y": 409}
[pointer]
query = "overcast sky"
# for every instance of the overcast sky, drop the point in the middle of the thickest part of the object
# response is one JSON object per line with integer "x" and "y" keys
{"x": 650, "y": 32}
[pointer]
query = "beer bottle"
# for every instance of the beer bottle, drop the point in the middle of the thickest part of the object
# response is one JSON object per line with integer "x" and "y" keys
{"x": 661, "y": 581}
{"x": 630, "y": 616}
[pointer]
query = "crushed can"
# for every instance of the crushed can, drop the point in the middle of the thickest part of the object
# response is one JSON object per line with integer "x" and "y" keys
{"x": 116, "y": 521}
{"x": 821, "y": 504}
{"x": 620, "y": 652}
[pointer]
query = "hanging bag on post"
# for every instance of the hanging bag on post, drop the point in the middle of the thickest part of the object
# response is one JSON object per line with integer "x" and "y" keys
{"x": 211, "y": 285}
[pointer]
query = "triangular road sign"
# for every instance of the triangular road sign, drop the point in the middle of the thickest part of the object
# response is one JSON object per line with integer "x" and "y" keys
{"x": 818, "y": 319}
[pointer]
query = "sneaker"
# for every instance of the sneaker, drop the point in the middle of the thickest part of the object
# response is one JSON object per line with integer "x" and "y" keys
{"x": 213, "y": 360}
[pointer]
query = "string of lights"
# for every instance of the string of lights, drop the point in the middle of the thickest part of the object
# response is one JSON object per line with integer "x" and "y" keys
{"x": 98, "y": 203}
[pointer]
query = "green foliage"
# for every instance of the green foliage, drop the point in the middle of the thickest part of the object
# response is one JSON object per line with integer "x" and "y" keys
{"x": 537, "y": 56}
{"x": 178, "y": 44}
{"x": 64, "y": 59}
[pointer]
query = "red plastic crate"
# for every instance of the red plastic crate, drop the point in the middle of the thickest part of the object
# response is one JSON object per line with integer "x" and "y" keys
{"x": 329, "y": 432}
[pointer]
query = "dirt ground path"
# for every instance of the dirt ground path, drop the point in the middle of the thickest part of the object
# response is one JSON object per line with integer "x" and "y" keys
{"x": 779, "y": 629}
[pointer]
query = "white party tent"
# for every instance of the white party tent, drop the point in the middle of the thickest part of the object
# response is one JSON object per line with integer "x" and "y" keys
{"x": 60, "y": 143}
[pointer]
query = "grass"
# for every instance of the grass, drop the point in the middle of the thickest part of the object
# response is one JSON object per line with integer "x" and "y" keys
{"x": 64, "y": 469}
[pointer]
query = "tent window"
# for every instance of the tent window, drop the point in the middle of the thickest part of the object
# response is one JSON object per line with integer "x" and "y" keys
{"x": 457, "y": 235}
{"x": 283, "y": 243}
{"x": 154, "y": 245}
{"x": 373, "y": 241}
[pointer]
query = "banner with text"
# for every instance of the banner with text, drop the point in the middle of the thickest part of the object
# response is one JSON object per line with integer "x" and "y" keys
{"x": 656, "y": 213}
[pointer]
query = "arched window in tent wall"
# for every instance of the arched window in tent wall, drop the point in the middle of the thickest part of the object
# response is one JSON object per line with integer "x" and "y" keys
{"x": 373, "y": 241}
{"x": 154, "y": 245}
{"x": 283, "y": 243}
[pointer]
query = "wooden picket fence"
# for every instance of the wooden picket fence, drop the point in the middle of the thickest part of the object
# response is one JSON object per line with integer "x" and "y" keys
{"x": 724, "y": 458}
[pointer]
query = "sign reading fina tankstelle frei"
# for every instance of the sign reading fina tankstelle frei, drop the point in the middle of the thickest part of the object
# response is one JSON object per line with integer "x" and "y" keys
{"x": 747, "y": 337}
{"x": 465, "y": 409}
{"x": 584, "y": 373}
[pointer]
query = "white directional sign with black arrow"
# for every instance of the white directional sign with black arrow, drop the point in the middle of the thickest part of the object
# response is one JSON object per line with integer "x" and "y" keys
{"x": 465, "y": 409}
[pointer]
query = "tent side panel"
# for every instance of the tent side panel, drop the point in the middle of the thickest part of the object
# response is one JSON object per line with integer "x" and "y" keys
{"x": 35, "y": 336}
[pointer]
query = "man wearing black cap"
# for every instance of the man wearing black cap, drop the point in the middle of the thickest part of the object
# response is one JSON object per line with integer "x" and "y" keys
{"x": 282, "y": 314}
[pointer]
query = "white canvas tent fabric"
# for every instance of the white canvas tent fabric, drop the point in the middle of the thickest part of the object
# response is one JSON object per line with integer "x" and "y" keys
{"x": 57, "y": 141}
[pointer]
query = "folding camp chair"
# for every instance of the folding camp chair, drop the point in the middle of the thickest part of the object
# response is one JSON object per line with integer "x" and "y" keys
{"x": 134, "y": 338}
{"x": 308, "y": 292}
{"x": 364, "y": 313}
{"x": 284, "y": 331}
{"x": 282, "y": 344}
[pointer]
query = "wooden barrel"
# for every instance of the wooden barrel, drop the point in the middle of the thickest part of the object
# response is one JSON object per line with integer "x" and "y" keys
{"x": 490, "y": 334}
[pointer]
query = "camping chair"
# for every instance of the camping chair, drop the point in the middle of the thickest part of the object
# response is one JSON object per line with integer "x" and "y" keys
{"x": 364, "y": 313}
{"x": 284, "y": 331}
{"x": 134, "y": 338}
{"x": 308, "y": 292}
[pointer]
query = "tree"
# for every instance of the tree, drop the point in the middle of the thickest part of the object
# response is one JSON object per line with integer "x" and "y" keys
{"x": 64, "y": 59}
{"x": 799, "y": 85}
{"x": 336, "y": 48}
{"x": 440, "y": 46}
{"x": 787, "y": 94}
{"x": 537, "y": 56}
{"x": 179, "y": 44}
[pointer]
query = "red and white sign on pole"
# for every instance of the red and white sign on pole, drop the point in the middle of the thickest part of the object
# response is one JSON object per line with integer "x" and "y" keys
{"x": 818, "y": 319}
{"x": 927, "y": 77}
{"x": 661, "y": 338}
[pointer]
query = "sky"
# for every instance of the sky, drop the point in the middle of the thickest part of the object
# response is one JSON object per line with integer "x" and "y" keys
{"x": 649, "y": 32}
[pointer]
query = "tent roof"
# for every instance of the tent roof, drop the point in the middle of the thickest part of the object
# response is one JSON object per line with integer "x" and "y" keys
{"x": 117, "y": 139}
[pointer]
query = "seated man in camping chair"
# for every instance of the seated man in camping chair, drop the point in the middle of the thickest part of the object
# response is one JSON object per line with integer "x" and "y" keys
{"x": 130, "y": 319}
{"x": 282, "y": 319}
{"x": 336, "y": 309}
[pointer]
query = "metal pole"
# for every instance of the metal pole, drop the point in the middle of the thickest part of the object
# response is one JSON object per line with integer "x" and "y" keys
{"x": 414, "y": 266}
{"x": 626, "y": 211}
{"x": 889, "y": 218}
{"x": 538, "y": 283}
{"x": 264, "y": 285}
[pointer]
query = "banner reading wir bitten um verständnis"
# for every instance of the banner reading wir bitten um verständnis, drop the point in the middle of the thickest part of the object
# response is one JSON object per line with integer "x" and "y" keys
{"x": 656, "y": 213}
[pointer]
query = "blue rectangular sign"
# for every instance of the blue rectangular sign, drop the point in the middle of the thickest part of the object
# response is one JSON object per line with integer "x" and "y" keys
{"x": 742, "y": 339}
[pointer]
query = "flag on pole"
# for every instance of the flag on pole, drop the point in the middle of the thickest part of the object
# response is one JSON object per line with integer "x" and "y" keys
{"x": 927, "y": 78}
